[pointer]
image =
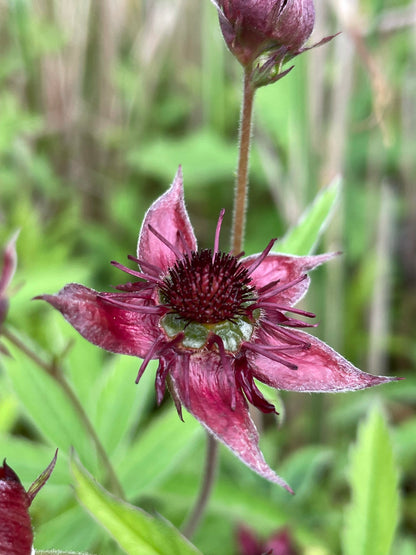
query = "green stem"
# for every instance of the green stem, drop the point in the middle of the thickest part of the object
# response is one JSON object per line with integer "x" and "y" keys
{"x": 208, "y": 479}
{"x": 241, "y": 190}
{"x": 55, "y": 372}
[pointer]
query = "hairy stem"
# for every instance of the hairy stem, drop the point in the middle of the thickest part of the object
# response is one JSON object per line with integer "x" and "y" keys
{"x": 197, "y": 512}
{"x": 55, "y": 372}
{"x": 241, "y": 190}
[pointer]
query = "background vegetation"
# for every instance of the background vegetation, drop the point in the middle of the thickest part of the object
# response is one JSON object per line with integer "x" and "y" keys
{"x": 99, "y": 103}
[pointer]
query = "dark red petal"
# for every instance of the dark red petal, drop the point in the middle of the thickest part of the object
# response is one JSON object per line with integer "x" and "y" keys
{"x": 320, "y": 369}
{"x": 169, "y": 217}
{"x": 16, "y": 536}
{"x": 285, "y": 268}
{"x": 111, "y": 328}
{"x": 205, "y": 392}
{"x": 248, "y": 544}
{"x": 281, "y": 543}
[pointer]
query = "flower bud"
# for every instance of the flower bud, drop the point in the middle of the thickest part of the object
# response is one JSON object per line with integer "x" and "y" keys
{"x": 7, "y": 270}
{"x": 16, "y": 535}
{"x": 253, "y": 27}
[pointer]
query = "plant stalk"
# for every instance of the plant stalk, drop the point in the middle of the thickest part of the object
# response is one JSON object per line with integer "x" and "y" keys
{"x": 241, "y": 190}
{"x": 194, "y": 518}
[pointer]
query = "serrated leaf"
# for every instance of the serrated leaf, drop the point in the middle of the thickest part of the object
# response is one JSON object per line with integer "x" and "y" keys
{"x": 303, "y": 237}
{"x": 372, "y": 516}
{"x": 137, "y": 532}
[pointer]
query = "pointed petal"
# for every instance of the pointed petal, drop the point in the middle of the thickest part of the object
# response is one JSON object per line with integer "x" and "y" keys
{"x": 320, "y": 369}
{"x": 168, "y": 216}
{"x": 206, "y": 393}
{"x": 285, "y": 268}
{"x": 105, "y": 325}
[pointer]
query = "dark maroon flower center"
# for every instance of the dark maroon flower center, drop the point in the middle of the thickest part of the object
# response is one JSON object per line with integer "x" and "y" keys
{"x": 208, "y": 288}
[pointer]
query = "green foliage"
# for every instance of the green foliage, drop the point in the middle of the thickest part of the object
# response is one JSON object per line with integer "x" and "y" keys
{"x": 373, "y": 514}
{"x": 302, "y": 239}
{"x": 135, "y": 531}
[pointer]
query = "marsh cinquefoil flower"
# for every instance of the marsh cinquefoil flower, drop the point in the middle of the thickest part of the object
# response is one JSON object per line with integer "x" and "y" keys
{"x": 216, "y": 322}
{"x": 16, "y": 535}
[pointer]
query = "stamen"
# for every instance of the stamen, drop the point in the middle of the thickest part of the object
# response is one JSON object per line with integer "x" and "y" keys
{"x": 251, "y": 391}
{"x": 143, "y": 263}
{"x": 291, "y": 322}
{"x": 148, "y": 358}
{"x": 267, "y": 287}
{"x": 217, "y": 234}
{"x": 139, "y": 289}
{"x": 186, "y": 248}
{"x": 282, "y": 288}
{"x": 260, "y": 259}
{"x": 277, "y": 330}
{"x": 170, "y": 246}
{"x": 134, "y": 273}
{"x": 272, "y": 306}
{"x": 160, "y": 309}
{"x": 260, "y": 349}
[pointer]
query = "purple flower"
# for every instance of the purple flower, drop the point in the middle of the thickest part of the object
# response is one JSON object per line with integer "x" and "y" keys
{"x": 216, "y": 322}
{"x": 16, "y": 535}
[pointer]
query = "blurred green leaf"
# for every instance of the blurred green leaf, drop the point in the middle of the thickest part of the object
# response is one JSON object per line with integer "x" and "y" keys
{"x": 137, "y": 532}
{"x": 54, "y": 552}
{"x": 204, "y": 155}
{"x": 303, "y": 238}
{"x": 120, "y": 402}
{"x": 161, "y": 446}
{"x": 372, "y": 516}
{"x": 66, "y": 528}
{"x": 48, "y": 406}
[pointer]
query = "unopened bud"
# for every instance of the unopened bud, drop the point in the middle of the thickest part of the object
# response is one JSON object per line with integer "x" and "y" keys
{"x": 253, "y": 27}
{"x": 16, "y": 535}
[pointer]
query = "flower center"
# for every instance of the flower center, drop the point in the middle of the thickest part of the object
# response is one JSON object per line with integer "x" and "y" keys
{"x": 206, "y": 288}
{"x": 208, "y": 294}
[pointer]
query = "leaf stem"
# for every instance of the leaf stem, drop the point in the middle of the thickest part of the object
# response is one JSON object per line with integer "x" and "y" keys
{"x": 241, "y": 190}
{"x": 194, "y": 518}
{"x": 55, "y": 372}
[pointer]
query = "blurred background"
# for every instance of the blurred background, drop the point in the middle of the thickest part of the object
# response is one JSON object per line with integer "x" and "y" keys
{"x": 100, "y": 101}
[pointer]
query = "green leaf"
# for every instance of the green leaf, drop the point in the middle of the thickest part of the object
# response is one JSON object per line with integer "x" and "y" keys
{"x": 60, "y": 553}
{"x": 117, "y": 394}
{"x": 303, "y": 238}
{"x": 137, "y": 532}
{"x": 158, "y": 450}
{"x": 48, "y": 407}
{"x": 371, "y": 517}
